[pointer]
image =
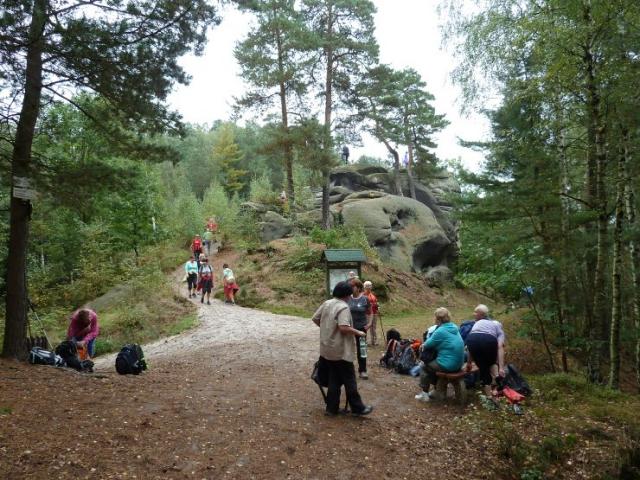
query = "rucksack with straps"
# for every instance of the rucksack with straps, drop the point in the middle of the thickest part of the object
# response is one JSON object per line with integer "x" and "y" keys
{"x": 68, "y": 350}
{"x": 406, "y": 357}
{"x": 40, "y": 356}
{"x": 130, "y": 360}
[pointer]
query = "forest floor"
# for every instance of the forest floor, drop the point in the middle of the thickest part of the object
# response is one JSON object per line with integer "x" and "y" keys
{"x": 232, "y": 398}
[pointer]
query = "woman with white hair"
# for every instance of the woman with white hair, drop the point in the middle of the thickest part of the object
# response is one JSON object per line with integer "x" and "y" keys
{"x": 449, "y": 350}
{"x": 485, "y": 344}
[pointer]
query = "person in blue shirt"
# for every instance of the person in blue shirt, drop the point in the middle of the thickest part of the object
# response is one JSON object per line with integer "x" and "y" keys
{"x": 449, "y": 349}
{"x": 191, "y": 269}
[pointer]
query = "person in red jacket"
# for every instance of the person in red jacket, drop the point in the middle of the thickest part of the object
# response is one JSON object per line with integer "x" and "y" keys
{"x": 196, "y": 246}
{"x": 84, "y": 329}
{"x": 373, "y": 313}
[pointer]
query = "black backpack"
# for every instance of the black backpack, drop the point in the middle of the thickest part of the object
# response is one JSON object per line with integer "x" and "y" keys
{"x": 406, "y": 359}
{"x": 40, "y": 356}
{"x": 514, "y": 380}
{"x": 130, "y": 360}
{"x": 69, "y": 353}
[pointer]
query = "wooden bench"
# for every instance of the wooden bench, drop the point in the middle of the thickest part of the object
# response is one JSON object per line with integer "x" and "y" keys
{"x": 455, "y": 379}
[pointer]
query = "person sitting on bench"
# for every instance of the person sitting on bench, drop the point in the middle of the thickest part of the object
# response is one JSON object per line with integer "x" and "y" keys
{"x": 449, "y": 350}
{"x": 83, "y": 329}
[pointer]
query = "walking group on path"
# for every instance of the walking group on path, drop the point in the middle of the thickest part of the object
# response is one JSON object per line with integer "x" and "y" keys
{"x": 199, "y": 270}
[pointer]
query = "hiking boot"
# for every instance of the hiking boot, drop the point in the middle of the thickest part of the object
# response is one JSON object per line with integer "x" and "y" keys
{"x": 423, "y": 397}
{"x": 202, "y": 299}
{"x": 365, "y": 411}
{"x": 208, "y": 302}
{"x": 363, "y": 375}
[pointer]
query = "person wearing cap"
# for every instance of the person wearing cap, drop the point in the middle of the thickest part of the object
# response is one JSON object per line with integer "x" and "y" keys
{"x": 338, "y": 350}
{"x": 373, "y": 313}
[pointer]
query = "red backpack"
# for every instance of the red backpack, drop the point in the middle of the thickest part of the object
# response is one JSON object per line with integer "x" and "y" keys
{"x": 197, "y": 244}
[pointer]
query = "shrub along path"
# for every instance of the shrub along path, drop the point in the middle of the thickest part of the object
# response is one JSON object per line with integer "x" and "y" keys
{"x": 229, "y": 399}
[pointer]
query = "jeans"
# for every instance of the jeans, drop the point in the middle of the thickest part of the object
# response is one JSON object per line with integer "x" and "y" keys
{"x": 428, "y": 375}
{"x": 341, "y": 373}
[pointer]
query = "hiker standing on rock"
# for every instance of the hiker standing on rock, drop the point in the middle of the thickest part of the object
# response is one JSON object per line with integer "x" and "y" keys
{"x": 359, "y": 304}
{"x": 337, "y": 350}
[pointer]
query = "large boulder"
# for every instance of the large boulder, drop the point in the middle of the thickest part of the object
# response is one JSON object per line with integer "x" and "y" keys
{"x": 356, "y": 178}
{"x": 405, "y": 232}
{"x": 439, "y": 276}
{"x": 273, "y": 226}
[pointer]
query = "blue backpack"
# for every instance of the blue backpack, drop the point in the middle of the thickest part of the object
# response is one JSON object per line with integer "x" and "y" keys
{"x": 465, "y": 329}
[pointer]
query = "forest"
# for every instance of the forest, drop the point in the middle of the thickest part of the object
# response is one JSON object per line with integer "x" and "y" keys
{"x": 549, "y": 219}
{"x": 103, "y": 186}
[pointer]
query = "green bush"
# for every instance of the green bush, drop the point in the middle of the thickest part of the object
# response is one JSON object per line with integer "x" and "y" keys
{"x": 302, "y": 257}
{"x": 260, "y": 191}
{"x": 345, "y": 236}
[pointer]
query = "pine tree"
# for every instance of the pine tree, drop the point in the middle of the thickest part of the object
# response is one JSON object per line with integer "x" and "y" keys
{"x": 343, "y": 43}
{"x": 124, "y": 51}
{"x": 273, "y": 62}
{"x": 227, "y": 155}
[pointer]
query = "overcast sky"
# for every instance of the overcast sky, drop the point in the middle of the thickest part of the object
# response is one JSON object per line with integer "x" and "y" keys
{"x": 409, "y": 36}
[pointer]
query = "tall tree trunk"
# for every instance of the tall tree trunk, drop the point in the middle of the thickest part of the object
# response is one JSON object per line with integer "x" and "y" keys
{"x": 396, "y": 168}
{"x": 284, "y": 112}
{"x": 562, "y": 293}
{"x": 328, "y": 106}
{"x": 16, "y": 303}
{"x": 616, "y": 294}
{"x": 634, "y": 250}
{"x": 412, "y": 187}
{"x": 596, "y": 315}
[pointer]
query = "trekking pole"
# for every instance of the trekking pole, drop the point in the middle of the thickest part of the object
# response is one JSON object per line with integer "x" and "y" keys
{"x": 382, "y": 326}
{"x": 41, "y": 325}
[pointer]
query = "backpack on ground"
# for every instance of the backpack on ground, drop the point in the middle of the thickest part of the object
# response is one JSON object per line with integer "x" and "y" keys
{"x": 387, "y": 357}
{"x": 406, "y": 358}
{"x": 514, "y": 380}
{"x": 130, "y": 360}
{"x": 68, "y": 350}
{"x": 40, "y": 356}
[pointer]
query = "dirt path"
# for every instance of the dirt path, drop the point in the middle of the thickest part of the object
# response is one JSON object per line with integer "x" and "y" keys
{"x": 229, "y": 399}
